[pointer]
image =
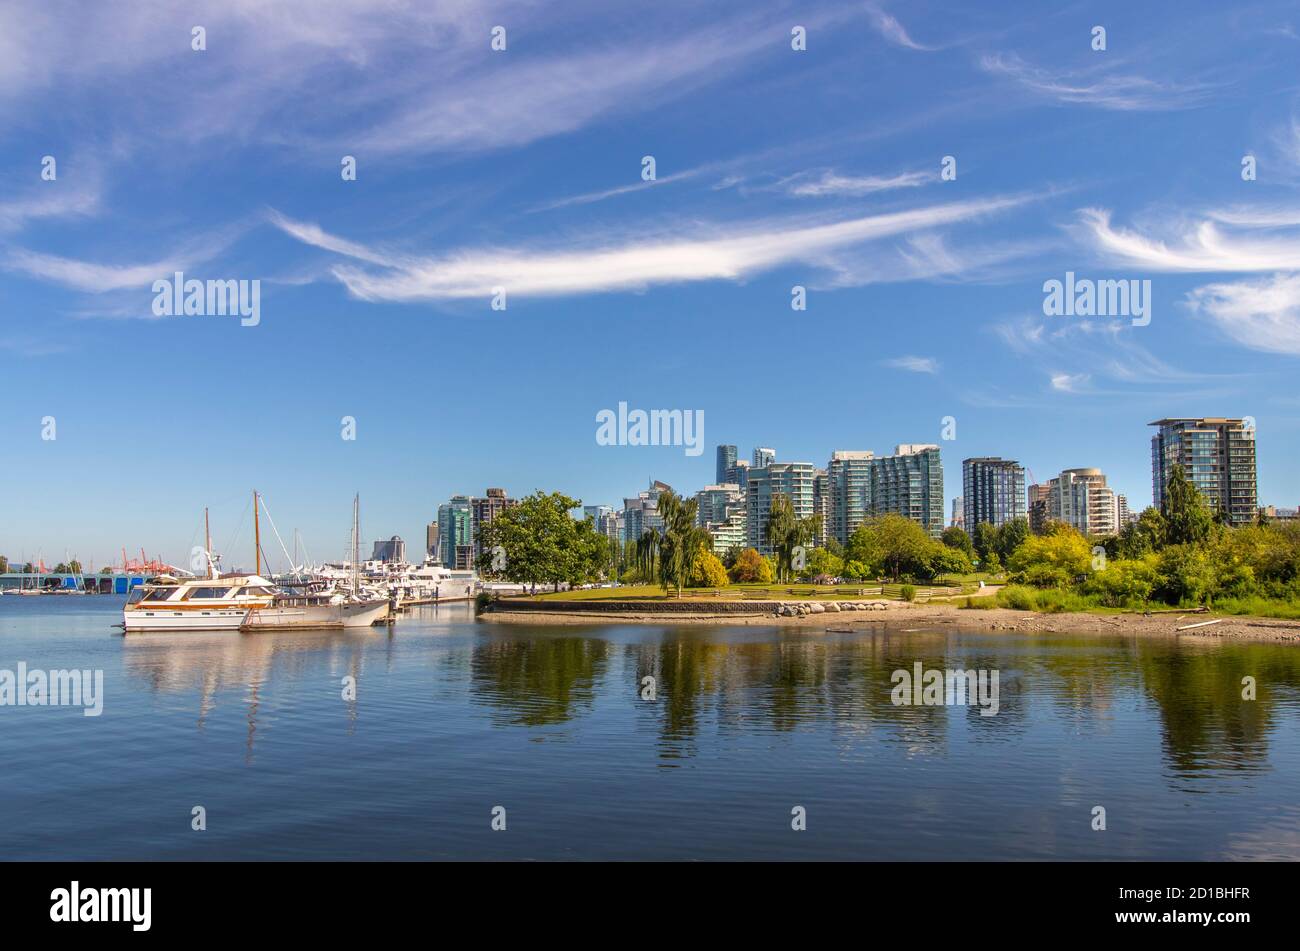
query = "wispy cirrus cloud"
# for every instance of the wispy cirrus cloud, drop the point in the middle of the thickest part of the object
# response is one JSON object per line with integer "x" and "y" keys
{"x": 49, "y": 200}
{"x": 89, "y": 276}
{"x": 1103, "y": 89}
{"x": 833, "y": 184}
{"x": 709, "y": 252}
{"x": 1101, "y": 358}
{"x": 98, "y": 278}
{"x": 1262, "y": 314}
{"x": 1201, "y": 245}
{"x": 398, "y": 78}
{"x": 888, "y": 26}
{"x": 914, "y": 363}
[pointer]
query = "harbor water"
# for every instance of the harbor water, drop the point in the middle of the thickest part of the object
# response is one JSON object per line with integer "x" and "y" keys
{"x": 640, "y": 742}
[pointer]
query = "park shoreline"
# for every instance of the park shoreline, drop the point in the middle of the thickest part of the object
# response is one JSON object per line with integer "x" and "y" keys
{"x": 900, "y": 614}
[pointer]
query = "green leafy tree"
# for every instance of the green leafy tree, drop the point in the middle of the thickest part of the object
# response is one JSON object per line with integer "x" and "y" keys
{"x": 1185, "y": 575}
{"x": 955, "y": 536}
{"x": 949, "y": 561}
{"x": 543, "y": 543}
{"x": 1188, "y": 520}
{"x": 893, "y": 545}
{"x": 856, "y": 570}
{"x": 985, "y": 540}
{"x": 822, "y": 563}
{"x": 1054, "y": 560}
{"x": 1142, "y": 537}
{"x": 1010, "y": 536}
{"x": 1125, "y": 582}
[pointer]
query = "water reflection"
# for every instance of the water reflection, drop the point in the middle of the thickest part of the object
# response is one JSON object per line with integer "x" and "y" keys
{"x": 244, "y": 665}
{"x": 751, "y": 683}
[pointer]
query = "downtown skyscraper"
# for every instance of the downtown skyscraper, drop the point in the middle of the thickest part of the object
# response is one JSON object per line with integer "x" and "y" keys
{"x": 1217, "y": 454}
{"x": 993, "y": 491}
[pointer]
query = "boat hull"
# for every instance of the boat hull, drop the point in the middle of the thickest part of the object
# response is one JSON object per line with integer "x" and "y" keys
{"x": 315, "y": 616}
{"x": 218, "y": 619}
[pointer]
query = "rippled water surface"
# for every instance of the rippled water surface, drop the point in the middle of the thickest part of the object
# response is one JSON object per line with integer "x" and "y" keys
{"x": 453, "y": 717}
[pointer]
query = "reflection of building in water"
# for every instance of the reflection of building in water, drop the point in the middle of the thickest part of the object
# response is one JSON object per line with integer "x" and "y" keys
{"x": 227, "y": 662}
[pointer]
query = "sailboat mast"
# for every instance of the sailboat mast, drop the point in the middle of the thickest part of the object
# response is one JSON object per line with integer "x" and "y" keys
{"x": 257, "y": 536}
{"x": 356, "y": 543}
{"x": 207, "y": 541}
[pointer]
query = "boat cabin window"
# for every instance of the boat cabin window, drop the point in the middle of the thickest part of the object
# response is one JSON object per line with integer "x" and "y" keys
{"x": 207, "y": 593}
{"x": 136, "y": 595}
{"x": 159, "y": 594}
{"x": 256, "y": 591}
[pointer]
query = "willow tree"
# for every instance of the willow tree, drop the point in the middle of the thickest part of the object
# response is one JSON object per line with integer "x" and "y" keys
{"x": 676, "y": 548}
{"x": 786, "y": 532}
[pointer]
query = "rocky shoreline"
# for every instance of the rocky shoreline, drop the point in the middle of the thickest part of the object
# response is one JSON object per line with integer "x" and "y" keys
{"x": 848, "y": 616}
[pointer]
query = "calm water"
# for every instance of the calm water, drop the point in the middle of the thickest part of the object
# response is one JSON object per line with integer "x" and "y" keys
{"x": 454, "y": 717}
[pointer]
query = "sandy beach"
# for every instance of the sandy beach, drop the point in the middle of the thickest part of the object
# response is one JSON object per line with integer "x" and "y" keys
{"x": 904, "y": 615}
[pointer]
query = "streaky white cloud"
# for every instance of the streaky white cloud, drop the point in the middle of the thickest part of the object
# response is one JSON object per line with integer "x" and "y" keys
{"x": 929, "y": 255}
{"x": 888, "y": 26}
{"x": 832, "y": 183}
{"x": 590, "y": 198}
{"x": 89, "y": 276}
{"x": 914, "y": 363}
{"x": 1070, "y": 382}
{"x": 80, "y": 197}
{"x": 1105, "y": 91}
{"x": 711, "y": 252}
{"x": 312, "y": 234}
{"x": 1097, "y": 349}
{"x": 1200, "y": 246}
{"x": 97, "y": 278}
{"x": 1262, "y": 314}
{"x": 387, "y": 78}
{"x": 544, "y": 96}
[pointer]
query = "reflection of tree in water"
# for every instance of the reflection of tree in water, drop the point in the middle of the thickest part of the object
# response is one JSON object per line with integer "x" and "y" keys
{"x": 1086, "y": 675}
{"x": 687, "y": 670}
{"x": 784, "y": 685}
{"x": 1207, "y": 724}
{"x": 539, "y": 681}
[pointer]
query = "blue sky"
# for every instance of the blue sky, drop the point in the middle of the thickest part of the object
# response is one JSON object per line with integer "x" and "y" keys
{"x": 522, "y": 169}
